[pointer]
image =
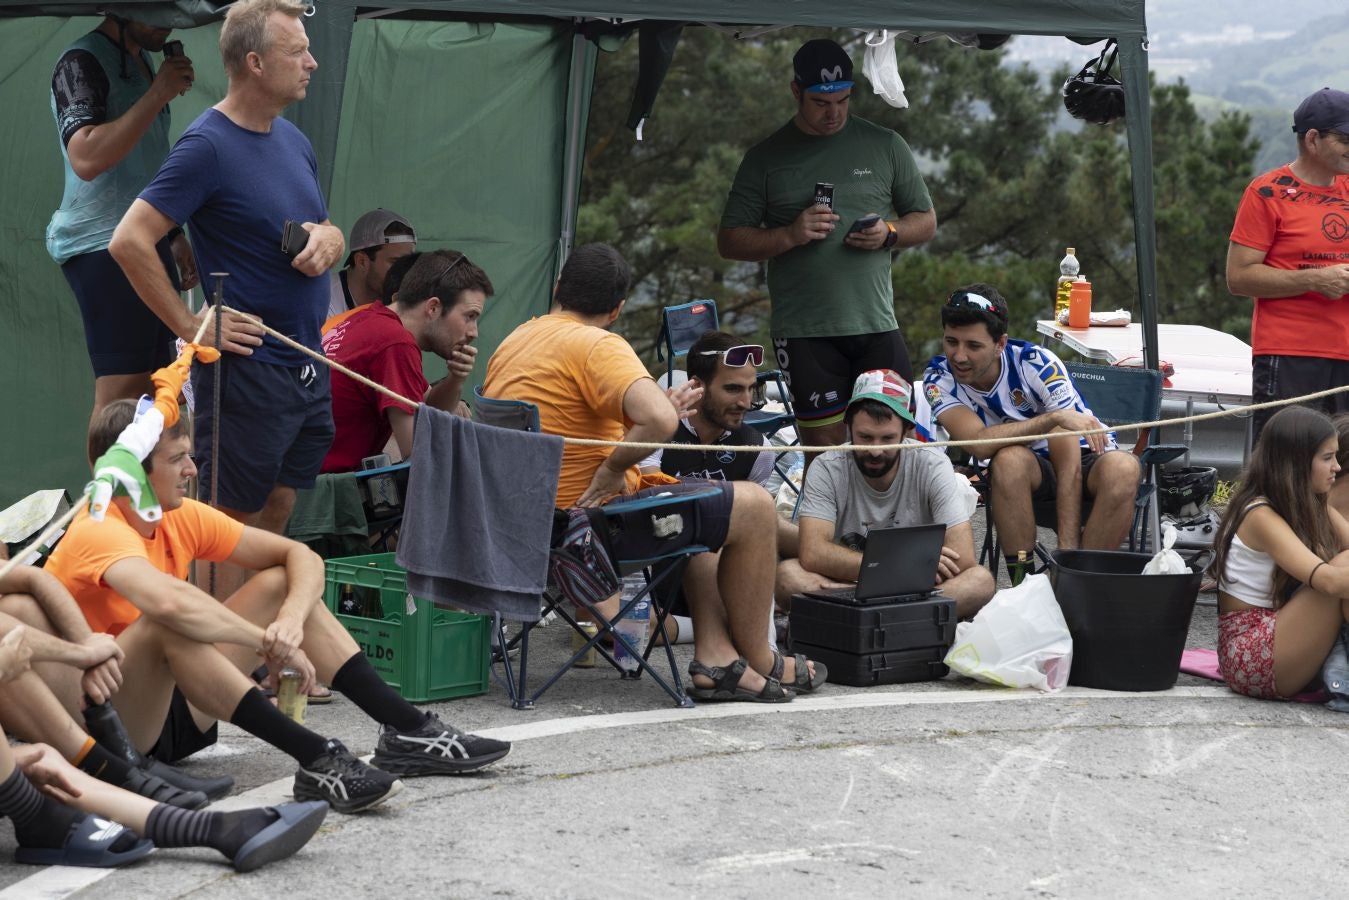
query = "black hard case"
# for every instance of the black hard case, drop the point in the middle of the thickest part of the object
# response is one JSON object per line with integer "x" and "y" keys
{"x": 886, "y": 627}
{"x": 865, "y": 669}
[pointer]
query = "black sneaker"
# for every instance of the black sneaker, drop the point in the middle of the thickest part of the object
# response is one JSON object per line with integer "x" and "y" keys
{"x": 435, "y": 749}
{"x": 139, "y": 781}
{"x": 343, "y": 781}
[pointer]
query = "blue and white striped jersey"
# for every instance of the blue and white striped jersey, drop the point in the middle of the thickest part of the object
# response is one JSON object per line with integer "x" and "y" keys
{"x": 1032, "y": 381}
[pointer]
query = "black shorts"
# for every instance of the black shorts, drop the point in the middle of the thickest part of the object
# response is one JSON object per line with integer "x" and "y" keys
{"x": 122, "y": 335}
{"x": 820, "y": 371}
{"x": 1279, "y": 377}
{"x": 631, "y": 537}
{"x": 181, "y": 737}
{"x": 277, "y": 425}
{"x": 1048, "y": 491}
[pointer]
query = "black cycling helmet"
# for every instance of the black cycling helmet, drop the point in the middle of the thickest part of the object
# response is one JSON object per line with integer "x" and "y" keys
{"x": 1093, "y": 94}
{"x": 1184, "y": 491}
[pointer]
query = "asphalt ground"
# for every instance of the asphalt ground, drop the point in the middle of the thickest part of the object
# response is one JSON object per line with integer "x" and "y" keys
{"x": 947, "y": 788}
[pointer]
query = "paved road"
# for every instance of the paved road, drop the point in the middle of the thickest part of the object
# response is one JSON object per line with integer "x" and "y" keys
{"x": 939, "y": 789}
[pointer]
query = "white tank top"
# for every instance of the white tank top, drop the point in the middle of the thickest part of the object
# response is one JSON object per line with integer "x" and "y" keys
{"x": 1247, "y": 574}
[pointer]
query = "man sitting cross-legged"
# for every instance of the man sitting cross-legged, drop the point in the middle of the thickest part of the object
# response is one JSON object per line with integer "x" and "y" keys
{"x": 128, "y": 577}
{"x": 848, "y": 493}
{"x": 66, "y": 824}
{"x": 588, "y": 382}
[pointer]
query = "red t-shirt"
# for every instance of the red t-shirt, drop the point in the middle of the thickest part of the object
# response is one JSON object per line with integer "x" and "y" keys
{"x": 373, "y": 342}
{"x": 1298, "y": 226}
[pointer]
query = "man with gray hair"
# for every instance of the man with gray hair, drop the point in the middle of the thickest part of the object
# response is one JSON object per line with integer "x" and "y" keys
{"x": 244, "y": 179}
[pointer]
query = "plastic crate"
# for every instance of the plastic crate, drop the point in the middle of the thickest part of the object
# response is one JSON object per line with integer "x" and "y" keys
{"x": 433, "y": 654}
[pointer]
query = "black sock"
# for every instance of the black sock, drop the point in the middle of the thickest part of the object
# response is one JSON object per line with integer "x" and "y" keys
{"x": 256, "y": 715}
{"x": 39, "y": 821}
{"x": 358, "y": 681}
{"x": 169, "y": 826}
{"x": 103, "y": 765}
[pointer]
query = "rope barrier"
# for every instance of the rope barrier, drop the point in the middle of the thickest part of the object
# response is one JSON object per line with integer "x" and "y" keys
{"x": 776, "y": 448}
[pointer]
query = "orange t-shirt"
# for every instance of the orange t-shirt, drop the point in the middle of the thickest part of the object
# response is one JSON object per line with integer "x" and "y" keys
{"x": 1298, "y": 226}
{"x": 576, "y": 375}
{"x": 193, "y": 531}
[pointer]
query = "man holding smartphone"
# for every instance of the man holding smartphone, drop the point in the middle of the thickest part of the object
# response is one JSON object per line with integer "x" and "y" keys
{"x": 238, "y": 174}
{"x": 112, "y": 114}
{"x": 824, "y": 200}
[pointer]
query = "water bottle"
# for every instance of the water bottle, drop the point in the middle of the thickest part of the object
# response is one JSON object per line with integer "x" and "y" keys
{"x": 634, "y": 625}
{"x": 1068, "y": 271}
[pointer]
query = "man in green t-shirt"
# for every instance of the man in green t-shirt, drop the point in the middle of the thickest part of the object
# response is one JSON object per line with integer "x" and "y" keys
{"x": 833, "y": 303}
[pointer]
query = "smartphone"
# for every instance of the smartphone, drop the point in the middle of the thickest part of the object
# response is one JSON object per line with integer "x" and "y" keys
{"x": 173, "y": 48}
{"x": 293, "y": 238}
{"x": 824, "y": 194}
{"x": 863, "y": 223}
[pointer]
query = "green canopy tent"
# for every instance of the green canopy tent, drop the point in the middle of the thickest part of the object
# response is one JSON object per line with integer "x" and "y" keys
{"x": 480, "y": 147}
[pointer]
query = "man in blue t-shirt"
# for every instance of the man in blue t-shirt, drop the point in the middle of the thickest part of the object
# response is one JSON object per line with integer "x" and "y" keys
{"x": 112, "y": 115}
{"x": 988, "y": 387}
{"x": 238, "y": 175}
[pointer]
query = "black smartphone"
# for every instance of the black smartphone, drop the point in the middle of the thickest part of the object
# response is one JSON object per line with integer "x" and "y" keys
{"x": 293, "y": 238}
{"x": 824, "y": 194}
{"x": 863, "y": 223}
{"x": 173, "y": 48}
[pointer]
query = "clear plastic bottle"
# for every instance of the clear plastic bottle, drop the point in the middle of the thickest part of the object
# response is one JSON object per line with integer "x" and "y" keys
{"x": 634, "y": 625}
{"x": 1069, "y": 268}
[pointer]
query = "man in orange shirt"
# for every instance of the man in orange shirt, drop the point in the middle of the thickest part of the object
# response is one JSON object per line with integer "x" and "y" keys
{"x": 587, "y": 382}
{"x": 128, "y": 577}
{"x": 1290, "y": 251}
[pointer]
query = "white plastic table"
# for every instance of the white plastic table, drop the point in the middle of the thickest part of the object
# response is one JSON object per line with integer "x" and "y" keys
{"x": 1211, "y": 366}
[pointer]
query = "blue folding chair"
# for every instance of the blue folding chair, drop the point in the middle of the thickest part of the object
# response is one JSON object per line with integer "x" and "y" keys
{"x": 680, "y": 328}
{"x": 619, "y": 517}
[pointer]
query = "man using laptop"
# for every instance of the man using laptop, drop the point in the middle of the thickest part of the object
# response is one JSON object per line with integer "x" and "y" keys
{"x": 848, "y": 493}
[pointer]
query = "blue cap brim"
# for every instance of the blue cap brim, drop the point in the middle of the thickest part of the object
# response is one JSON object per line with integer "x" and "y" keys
{"x": 829, "y": 87}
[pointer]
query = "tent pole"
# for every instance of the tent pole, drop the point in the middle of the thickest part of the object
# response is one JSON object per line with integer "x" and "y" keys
{"x": 318, "y": 115}
{"x": 580, "y": 82}
{"x": 1138, "y": 122}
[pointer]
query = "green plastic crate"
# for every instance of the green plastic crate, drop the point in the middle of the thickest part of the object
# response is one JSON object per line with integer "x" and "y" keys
{"x": 433, "y": 654}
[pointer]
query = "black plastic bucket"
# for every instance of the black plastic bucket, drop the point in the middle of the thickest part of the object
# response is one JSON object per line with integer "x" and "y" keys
{"x": 1129, "y": 629}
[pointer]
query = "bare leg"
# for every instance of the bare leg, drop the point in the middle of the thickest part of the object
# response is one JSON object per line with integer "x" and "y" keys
{"x": 1304, "y": 629}
{"x": 94, "y": 796}
{"x": 1015, "y": 475}
{"x": 971, "y": 589}
{"x": 327, "y": 644}
{"x": 272, "y": 517}
{"x": 30, "y": 711}
{"x": 1113, "y": 485}
{"x": 712, "y": 643}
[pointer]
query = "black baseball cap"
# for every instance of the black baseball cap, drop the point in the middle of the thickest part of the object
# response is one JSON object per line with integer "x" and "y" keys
{"x": 1325, "y": 110}
{"x": 822, "y": 66}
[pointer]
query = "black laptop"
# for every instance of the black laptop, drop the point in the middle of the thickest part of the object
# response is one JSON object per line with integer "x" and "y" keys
{"x": 899, "y": 565}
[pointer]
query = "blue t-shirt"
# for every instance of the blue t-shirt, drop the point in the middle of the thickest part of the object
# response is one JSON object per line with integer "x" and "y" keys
{"x": 236, "y": 188}
{"x": 1033, "y": 381}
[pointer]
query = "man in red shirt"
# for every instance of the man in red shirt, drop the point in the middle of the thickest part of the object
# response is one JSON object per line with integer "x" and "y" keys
{"x": 436, "y": 310}
{"x": 1290, "y": 251}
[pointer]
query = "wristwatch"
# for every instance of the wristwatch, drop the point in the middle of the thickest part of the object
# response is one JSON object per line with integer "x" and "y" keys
{"x": 892, "y": 238}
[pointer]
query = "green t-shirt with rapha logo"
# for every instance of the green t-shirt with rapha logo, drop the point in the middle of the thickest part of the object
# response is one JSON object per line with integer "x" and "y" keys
{"x": 826, "y": 288}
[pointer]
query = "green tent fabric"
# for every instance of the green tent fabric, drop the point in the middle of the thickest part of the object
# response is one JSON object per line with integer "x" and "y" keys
{"x": 472, "y": 128}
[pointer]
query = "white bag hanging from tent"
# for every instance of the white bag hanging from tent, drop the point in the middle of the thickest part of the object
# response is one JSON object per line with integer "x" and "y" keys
{"x": 1019, "y": 639}
{"x": 881, "y": 68}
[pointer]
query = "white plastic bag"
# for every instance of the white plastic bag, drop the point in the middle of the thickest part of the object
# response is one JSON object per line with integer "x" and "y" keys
{"x": 881, "y": 68}
{"x": 1167, "y": 561}
{"x": 1018, "y": 640}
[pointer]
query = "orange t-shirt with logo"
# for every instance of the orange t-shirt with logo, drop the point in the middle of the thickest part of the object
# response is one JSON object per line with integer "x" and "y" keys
{"x": 1297, "y": 226}
{"x": 576, "y": 375}
{"x": 191, "y": 532}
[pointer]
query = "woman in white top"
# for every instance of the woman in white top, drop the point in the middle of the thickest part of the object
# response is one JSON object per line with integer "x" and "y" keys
{"x": 1283, "y": 582}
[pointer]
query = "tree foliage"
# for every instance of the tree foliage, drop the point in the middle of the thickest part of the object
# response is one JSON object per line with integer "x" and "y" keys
{"x": 1013, "y": 182}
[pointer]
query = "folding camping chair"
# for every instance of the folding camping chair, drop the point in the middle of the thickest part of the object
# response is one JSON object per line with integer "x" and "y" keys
{"x": 1117, "y": 396}
{"x": 620, "y": 516}
{"x": 681, "y": 326}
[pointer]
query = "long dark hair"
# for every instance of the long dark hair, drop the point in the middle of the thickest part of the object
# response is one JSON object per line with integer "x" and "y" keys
{"x": 1280, "y": 472}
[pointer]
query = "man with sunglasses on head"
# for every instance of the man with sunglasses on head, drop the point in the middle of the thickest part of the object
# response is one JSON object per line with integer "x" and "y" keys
{"x": 828, "y": 270}
{"x": 1290, "y": 251}
{"x": 988, "y": 387}
{"x": 435, "y": 310}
